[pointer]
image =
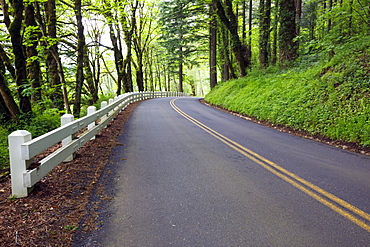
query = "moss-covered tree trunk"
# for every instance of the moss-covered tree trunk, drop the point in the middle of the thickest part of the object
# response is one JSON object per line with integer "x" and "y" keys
{"x": 181, "y": 72}
{"x": 7, "y": 100}
{"x": 275, "y": 34}
{"x": 288, "y": 32}
{"x": 33, "y": 64}
{"x": 15, "y": 29}
{"x": 264, "y": 37}
{"x": 127, "y": 78}
{"x": 213, "y": 46}
{"x": 229, "y": 19}
{"x": 80, "y": 59}
{"x": 228, "y": 71}
{"x": 129, "y": 25}
{"x": 89, "y": 77}
{"x": 118, "y": 56}
{"x": 55, "y": 72}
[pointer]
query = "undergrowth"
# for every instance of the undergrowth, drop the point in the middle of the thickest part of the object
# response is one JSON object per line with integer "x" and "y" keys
{"x": 331, "y": 98}
{"x": 37, "y": 124}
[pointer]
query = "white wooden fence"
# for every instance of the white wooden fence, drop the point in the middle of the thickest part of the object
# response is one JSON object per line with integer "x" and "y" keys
{"x": 22, "y": 148}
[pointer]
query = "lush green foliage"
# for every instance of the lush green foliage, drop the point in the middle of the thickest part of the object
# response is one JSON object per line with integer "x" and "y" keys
{"x": 332, "y": 98}
{"x": 36, "y": 125}
{"x": 4, "y": 155}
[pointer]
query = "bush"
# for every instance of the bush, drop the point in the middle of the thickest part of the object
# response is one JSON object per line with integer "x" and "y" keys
{"x": 44, "y": 123}
{"x": 36, "y": 125}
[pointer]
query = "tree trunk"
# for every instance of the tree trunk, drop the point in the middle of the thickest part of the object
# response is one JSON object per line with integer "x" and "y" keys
{"x": 141, "y": 40}
{"x": 244, "y": 21}
{"x": 19, "y": 58}
{"x": 118, "y": 56}
{"x": 80, "y": 59}
{"x": 250, "y": 22}
{"x": 275, "y": 32}
{"x": 127, "y": 79}
{"x": 265, "y": 19}
{"x": 89, "y": 77}
{"x": 5, "y": 114}
{"x": 180, "y": 86}
{"x": 228, "y": 71}
{"x": 230, "y": 22}
{"x": 150, "y": 72}
{"x": 34, "y": 72}
{"x": 6, "y": 95}
{"x": 213, "y": 46}
{"x": 8, "y": 64}
{"x": 52, "y": 57}
{"x": 287, "y": 32}
{"x": 140, "y": 79}
{"x": 330, "y": 6}
{"x": 298, "y": 17}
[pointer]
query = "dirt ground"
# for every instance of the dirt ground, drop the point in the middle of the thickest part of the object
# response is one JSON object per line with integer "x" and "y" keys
{"x": 60, "y": 204}
{"x": 57, "y": 207}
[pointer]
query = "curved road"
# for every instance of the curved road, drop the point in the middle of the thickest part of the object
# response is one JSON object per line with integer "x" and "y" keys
{"x": 190, "y": 175}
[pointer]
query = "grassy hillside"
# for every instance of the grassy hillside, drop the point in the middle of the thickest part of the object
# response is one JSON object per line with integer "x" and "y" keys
{"x": 331, "y": 98}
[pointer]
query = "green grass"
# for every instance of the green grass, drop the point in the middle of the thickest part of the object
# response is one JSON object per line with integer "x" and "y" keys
{"x": 332, "y": 99}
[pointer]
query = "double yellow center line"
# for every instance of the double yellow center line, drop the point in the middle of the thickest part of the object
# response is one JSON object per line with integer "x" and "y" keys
{"x": 340, "y": 206}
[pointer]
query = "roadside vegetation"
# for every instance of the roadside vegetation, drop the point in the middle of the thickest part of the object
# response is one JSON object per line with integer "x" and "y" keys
{"x": 37, "y": 123}
{"x": 330, "y": 97}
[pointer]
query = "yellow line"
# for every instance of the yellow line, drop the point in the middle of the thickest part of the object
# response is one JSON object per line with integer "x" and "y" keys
{"x": 286, "y": 175}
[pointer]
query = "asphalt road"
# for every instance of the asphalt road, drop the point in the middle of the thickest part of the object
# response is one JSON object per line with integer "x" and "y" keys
{"x": 190, "y": 175}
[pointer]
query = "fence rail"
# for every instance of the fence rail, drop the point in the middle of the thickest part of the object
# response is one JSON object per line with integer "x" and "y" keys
{"x": 22, "y": 148}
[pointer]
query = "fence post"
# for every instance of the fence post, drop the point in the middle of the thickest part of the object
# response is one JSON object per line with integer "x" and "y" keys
{"x": 109, "y": 103}
{"x": 102, "y": 105}
{"x": 65, "y": 119}
{"x": 17, "y": 164}
{"x": 91, "y": 110}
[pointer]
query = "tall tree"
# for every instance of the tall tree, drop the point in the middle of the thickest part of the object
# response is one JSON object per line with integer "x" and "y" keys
{"x": 31, "y": 40}
{"x": 213, "y": 45}
{"x": 228, "y": 71}
{"x": 275, "y": 33}
{"x": 229, "y": 19}
{"x": 15, "y": 29}
{"x": 128, "y": 22}
{"x": 287, "y": 32}
{"x": 6, "y": 98}
{"x": 181, "y": 32}
{"x": 298, "y": 15}
{"x": 115, "y": 37}
{"x": 80, "y": 58}
{"x": 93, "y": 59}
{"x": 264, "y": 38}
{"x": 142, "y": 38}
{"x": 250, "y": 21}
{"x": 53, "y": 62}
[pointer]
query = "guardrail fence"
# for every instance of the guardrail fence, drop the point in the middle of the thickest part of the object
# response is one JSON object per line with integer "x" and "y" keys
{"x": 22, "y": 148}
